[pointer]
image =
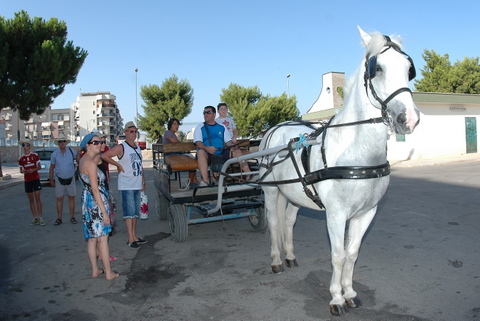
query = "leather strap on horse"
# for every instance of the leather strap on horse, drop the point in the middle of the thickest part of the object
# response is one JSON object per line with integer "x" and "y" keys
{"x": 313, "y": 195}
{"x": 347, "y": 172}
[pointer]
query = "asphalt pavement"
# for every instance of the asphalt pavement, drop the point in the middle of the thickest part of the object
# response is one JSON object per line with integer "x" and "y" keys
{"x": 419, "y": 260}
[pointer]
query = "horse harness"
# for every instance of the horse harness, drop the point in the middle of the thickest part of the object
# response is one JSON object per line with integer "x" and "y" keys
{"x": 340, "y": 172}
{"x": 336, "y": 172}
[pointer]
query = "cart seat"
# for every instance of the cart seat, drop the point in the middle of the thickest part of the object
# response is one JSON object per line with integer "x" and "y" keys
{"x": 179, "y": 163}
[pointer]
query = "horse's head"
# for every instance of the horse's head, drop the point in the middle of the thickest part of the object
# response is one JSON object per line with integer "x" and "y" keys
{"x": 386, "y": 75}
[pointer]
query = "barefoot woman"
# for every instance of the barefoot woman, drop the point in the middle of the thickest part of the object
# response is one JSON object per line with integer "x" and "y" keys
{"x": 95, "y": 207}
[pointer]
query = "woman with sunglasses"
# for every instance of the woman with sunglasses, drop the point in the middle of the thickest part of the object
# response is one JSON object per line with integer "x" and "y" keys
{"x": 95, "y": 207}
{"x": 29, "y": 164}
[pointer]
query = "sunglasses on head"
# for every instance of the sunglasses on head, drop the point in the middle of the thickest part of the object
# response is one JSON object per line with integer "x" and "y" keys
{"x": 25, "y": 144}
{"x": 208, "y": 112}
{"x": 96, "y": 142}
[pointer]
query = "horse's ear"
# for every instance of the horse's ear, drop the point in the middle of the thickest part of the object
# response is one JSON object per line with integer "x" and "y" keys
{"x": 365, "y": 36}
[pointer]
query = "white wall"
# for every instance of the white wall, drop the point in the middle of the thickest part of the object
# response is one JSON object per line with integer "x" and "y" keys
{"x": 440, "y": 133}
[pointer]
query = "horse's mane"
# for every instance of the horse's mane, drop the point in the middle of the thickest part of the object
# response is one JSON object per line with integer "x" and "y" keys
{"x": 378, "y": 41}
{"x": 374, "y": 47}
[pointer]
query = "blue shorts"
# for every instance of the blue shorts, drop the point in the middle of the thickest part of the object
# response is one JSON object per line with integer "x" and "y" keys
{"x": 130, "y": 203}
{"x": 33, "y": 186}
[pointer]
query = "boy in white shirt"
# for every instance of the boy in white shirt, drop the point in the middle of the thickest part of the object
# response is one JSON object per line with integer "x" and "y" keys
{"x": 227, "y": 121}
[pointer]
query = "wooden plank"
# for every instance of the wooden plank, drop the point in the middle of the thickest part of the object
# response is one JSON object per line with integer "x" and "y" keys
{"x": 176, "y": 148}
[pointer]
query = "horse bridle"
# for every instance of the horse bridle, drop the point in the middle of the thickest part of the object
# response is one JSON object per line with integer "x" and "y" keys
{"x": 370, "y": 73}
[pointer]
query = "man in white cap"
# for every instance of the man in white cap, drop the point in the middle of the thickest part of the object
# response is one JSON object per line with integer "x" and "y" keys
{"x": 29, "y": 164}
{"x": 131, "y": 180}
{"x": 62, "y": 177}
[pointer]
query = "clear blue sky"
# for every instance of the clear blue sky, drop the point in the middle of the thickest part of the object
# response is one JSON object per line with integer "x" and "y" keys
{"x": 250, "y": 42}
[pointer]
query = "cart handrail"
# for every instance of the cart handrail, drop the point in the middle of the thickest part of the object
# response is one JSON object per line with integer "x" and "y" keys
{"x": 266, "y": 152}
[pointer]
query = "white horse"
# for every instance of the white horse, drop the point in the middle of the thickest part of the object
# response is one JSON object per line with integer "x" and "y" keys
{"x": 347, "y": 169}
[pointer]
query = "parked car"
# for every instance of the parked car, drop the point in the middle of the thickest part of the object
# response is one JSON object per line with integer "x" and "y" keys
{"x": 44, "y": 154}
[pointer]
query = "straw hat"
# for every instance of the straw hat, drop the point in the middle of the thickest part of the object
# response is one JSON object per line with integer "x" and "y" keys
{"x": 129, "y": 125}
{"x": 61, "y": 137}
{"x": 26, "y": 141}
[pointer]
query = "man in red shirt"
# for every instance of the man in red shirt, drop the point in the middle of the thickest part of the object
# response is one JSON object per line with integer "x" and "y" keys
{"x": 29, "y": 164}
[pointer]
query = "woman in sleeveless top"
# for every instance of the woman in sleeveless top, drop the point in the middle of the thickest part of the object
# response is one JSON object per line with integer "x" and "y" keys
{"x": 95, "y": 208}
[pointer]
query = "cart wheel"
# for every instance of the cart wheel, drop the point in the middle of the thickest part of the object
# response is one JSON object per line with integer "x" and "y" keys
{"x": 258, "y": 220}
{"x": 178, "y": 222}
{"x": 162, "y": 205}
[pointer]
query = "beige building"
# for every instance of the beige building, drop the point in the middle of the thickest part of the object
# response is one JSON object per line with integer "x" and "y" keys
{"x": 97, "y": 110}
{"x": 448, "y": 122}
{"x": 41, "y": 129}
{"x": 91, "y": 111}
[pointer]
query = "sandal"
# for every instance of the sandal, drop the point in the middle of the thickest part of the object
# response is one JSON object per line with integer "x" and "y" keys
{"x": 58, "y": 222}
{"x": 73, "y": 220}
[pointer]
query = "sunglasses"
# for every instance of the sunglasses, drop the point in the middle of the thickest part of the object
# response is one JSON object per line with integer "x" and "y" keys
{"x": 96, "y": 142}
{"x": 25, "y": 145}
{"x": 62, "y": 141}
{"x": 208, "y": 112}
{"x": 132, "y": 131}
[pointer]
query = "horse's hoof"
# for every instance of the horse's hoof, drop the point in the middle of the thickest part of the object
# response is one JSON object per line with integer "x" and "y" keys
{"x": 291, "y": 263}
{"x": 338, "y": 310}
{"x": 354, "y": 302}
{"x": 278, "y": 269}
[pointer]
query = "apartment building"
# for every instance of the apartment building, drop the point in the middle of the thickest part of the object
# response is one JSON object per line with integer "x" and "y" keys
{"x": 91, "y": 111}
{"x": 97, "y": 110}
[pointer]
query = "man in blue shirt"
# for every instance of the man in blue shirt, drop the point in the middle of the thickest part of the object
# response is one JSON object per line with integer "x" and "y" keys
{"x": 213, "y": 138}
{"x": 62, "y": 177}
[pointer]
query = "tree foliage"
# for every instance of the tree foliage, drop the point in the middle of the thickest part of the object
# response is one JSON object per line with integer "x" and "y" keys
{"x": 174, "y": 99}
{"x": 255, "y": 113}
{"x": 439, "y": 75}
{"x": 36, "y": 62}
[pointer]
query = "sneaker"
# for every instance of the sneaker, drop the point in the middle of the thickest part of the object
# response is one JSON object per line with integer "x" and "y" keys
{"x": 202, "y": 184}
{"x": 42, "y": 222}
{"x": 34, "y": 221}
{"x": 141, "y": 241}
{"x": 134, "y": 245}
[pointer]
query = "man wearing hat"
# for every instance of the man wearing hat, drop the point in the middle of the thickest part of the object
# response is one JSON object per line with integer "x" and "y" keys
{"x": 29, "y": 164}
{"x": 131, "y": 180}
{"x": 62, "y": 177}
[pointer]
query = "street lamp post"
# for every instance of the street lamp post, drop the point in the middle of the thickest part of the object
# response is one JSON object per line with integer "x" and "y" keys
{"x": 288, "y": 86}
{"x": 136, "y": 94}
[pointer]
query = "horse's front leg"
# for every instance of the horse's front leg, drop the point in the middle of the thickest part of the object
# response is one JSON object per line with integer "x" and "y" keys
{"x": 291, "y": 217}
{"x": 357, "y": 228}
{"x": 336, "y": 232}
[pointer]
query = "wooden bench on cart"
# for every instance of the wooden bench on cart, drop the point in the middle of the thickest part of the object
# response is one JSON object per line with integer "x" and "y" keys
{"x": 175, "y": 164}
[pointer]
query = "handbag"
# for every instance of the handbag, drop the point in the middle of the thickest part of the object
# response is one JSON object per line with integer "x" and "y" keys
{"x": 65, "y": 181}
{"x": 143, "y": 206}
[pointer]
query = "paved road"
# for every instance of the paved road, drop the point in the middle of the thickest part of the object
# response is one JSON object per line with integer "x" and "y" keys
{"x": 419, "y": 261}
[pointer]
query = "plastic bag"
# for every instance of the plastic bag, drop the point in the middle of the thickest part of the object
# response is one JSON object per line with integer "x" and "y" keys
{"x": 143, "y": 206}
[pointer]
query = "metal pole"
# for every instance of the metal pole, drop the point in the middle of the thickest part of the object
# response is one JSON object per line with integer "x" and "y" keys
{"x": 136, "y": 94}
{"x": 288, "y": 86}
